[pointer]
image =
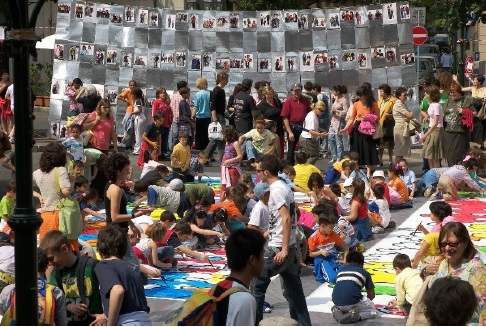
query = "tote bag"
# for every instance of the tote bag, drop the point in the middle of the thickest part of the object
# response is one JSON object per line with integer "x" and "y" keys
{"x": 70, "y": 218}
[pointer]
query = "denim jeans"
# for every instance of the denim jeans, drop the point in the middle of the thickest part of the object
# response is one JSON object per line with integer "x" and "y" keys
{"x": 173, "y": 135}
{"x": 291, "y": 285}
{"x": 251, "y": 152}
{"x": 166, "y": 252}
{"x": 216, "y": 144}
{"x": 336, "y": 143}
{"x": 136, "y": 318}
{"x": 165, "y": 141}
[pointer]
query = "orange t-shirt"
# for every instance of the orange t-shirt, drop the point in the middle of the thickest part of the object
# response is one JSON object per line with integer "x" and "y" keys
{"x": 359, "y": 111}
{"x": 401, "y": 188}
{"x": 230, "y": 207}
{"x": 326, "y": 242}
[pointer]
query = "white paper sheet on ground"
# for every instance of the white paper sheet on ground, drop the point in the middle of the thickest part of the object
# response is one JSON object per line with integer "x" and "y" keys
{"x": 399, "y": 241}
{"x": 147, "y": 220}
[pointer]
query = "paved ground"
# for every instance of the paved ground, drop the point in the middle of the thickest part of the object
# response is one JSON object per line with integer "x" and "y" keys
{"x": 160, "y": 309}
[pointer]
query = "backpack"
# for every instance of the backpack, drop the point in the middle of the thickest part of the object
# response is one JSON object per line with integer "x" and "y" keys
{"x": 83, "y": 262}
{"x": 200, "y": 309}
{"x": 46, "y": 303}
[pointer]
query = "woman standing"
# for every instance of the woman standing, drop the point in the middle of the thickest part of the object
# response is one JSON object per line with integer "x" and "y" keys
{"x": 402, "y": 116}
{"x": 270, "y": 109}
{"x": 139, "y": 118}
{"x": 362, "y": 143}
{"x": 52, "y": 167}
{"x": 456, "y": 136}
{"x": 126, "y": 96}
{"x": 102, "y": 125}
{"x": 462, "y": 260}
{"x": 433, "y": 148}
{"x": 230, "y": 109}
{"x": 203, "y": 113}
{"x": 386, "y": 103}
{"x": 116, "y": 168}
{"x": 339, "y": 109}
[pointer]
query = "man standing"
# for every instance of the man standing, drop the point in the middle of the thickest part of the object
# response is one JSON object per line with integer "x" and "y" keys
{"x": 218, "y": 107}
{"x": 293, "y": 113}
{"x": 280, "y": 256}
{"x": 245, "y": 109}
{"x": 446, "y": 60}
{"x": 175, "y": 99}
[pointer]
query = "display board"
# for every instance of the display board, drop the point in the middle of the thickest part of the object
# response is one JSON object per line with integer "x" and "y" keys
{"x": 109, "y": 45}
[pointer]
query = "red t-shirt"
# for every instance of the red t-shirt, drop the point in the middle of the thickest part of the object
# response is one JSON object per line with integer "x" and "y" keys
{"x": 362, "y": 209}
{"x": 296, "y": 109}
{"x": 160, "y": 105}
{"x": 387, "y": 192}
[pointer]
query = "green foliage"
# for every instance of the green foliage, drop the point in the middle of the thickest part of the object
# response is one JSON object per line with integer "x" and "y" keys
{"x": 252, "y": 5}
{"x": 41, "y": 77}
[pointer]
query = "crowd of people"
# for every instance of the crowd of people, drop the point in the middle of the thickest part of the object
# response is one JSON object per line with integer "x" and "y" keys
{"x": 265, "y": 231}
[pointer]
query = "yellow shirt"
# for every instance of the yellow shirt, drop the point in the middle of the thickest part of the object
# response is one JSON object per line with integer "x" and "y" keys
{"x": 302, "y": 174}
{"x": 338, "y": 165}
{"x": 432, "y": 239}
{"x": 407, "y": 285}
{"x": 181, "y": 154}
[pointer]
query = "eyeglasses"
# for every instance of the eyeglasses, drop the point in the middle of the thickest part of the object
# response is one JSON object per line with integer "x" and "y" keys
{"x": 451, "y": 244}
{"x": 260, "y": 170}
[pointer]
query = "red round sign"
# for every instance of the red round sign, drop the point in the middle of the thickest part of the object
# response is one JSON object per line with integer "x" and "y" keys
{"x": 420, "y": 35}
{"x": 468, "y": 66}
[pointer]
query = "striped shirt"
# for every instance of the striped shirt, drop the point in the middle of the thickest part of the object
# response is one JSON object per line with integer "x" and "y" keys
{"x": 175, "y": 99}
{"x": 350, "y": 281}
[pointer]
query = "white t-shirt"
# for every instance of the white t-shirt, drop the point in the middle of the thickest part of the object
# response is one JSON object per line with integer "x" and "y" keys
{"x": 75, "y": 147}
{"x": 7, "y": 260}
{"x": 343, "y": 202}
{"x": 311, "y": 122}
{"x": 241, "y": 308}
{"x": 148, "y": 166}
{"x": 47, "y": 186}
{"x": 384, "y": 212}
{"x": 10, "y": 91}
{"x": 259, "y": 216}
{"x": 280, "y": 195}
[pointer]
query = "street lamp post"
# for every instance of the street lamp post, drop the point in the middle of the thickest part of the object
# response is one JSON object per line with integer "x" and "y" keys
{"x": 462, "y": 22}
{"x": 20, "y": 39}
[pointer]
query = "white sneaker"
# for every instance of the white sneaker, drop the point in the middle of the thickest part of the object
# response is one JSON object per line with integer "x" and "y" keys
{"x": 11, "y": 139}
{"x": 377, "y": 230}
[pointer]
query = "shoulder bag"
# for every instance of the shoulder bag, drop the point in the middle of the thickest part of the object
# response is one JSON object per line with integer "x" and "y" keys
{"x": 70, "y": 218}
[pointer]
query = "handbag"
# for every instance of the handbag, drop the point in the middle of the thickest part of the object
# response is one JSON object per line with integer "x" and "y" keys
{"x": 215, "y": 131}
{"x": 378, "y": 134}
{"x": 482, "y": 112}
{"x": 413, "y": 127}
{"x": 70, "y": 218}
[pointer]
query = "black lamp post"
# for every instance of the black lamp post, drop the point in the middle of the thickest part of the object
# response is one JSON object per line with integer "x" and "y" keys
{"x": 462, "y": 22}
{"x": 20, "y": 39}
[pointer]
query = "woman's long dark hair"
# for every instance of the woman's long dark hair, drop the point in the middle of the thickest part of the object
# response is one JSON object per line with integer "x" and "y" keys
{"x": 368, "y": 94}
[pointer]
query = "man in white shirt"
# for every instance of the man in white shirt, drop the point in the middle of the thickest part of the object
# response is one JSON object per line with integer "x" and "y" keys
{"x": 280, "y": 256}
{"x": 446, "y": 61}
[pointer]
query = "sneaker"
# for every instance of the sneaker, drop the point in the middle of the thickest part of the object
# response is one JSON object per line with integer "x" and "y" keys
{"x": 268, "y": 304}
{"x": 377, "y": 230}
{"x": 429, "y": 191}
{"x": 360, "y": 247}
{"x": 391, "y": 224}
{"x": 11, "y": 139}
{"x": 350, "y": 317}
{"x": 266, "y": 309}
{"x": 336, "y": 313}
{"x": 434, "y": 196}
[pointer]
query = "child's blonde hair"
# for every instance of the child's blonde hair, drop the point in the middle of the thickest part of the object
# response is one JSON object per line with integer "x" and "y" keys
{"x": 156, "y": 232}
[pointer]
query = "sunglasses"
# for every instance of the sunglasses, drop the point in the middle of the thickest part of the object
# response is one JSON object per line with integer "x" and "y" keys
{"x": 451, "y": 244}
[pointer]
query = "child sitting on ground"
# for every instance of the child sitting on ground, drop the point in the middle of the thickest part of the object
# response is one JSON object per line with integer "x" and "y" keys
{"x": 350, "y": 305}
{"x": 287, "y": 174}
{"x": 196, "y": 167}
{"x": 146, "y": 250}
{"x": 303, "y": 170}
{"x": 344, "y": 198}
{"x": 340, "y": 169}
{"x": 407, "y": 283}
{"x": 181, "y": 233}
{"x": 453, "y": 177}
{"x": 358, "y": 216}
{"x": 272, "y": 127}
{"x": 394, "y": 173}
{"x": 384, "y": 215}
{"x": 322, "y": 249}
{"x": 259, "y": 141}
{"x": 121, "y": 288}
{"x": 429, "y": 249}
{"x": 220, "y": 220}
{"x": 150, "y": 156}
{"x": 408, "y": 178}
{"x": 202, "y": 228}
{"x": 86, "y": 197}
{"x": 356, "y": 172}
{"x": 318, "y": 190}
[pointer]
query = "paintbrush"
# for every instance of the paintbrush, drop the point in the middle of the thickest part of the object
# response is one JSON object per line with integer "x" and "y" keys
{"x": 416, "y": 229}
{"x": 211, "y": 264}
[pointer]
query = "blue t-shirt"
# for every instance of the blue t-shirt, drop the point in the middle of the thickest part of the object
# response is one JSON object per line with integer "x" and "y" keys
{"x": 153, "y": 131}
{"x": 349, "y": 285}
{"x": 201, "y": 102}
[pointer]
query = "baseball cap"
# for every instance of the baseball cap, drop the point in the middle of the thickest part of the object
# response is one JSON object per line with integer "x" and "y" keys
{"x": 4, "y": 238}
{"x": 176, "y": 184}
{"x": 379, "y": 173}
{"x": 348, "y": 182}
{"x": 260, "y": 189}
{"x": 296, "y": 86}
{"x": 247, "y": 82}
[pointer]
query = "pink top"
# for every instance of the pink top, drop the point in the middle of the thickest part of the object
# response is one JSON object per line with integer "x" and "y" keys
{"x": 101, "y": 133}
{"x": 436, "y": 110}
{"x": 437, "y": 227}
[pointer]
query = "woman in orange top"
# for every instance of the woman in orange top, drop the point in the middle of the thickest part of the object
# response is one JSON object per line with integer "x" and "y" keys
{"x": 363, "y": 144}
{"x": 394, "y": 173}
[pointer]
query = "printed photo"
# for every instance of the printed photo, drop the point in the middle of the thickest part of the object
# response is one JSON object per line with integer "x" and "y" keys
{"x": 89, "y": 9}
{"x": 143, "y": 16}
{"x": 303, "y": 22}
{"x": 278, "y": 63}
{"x": 265, "y": 19}
{"x": 130, "y": 15}
{"x": 140, "y": 61}
{"x": 55, "y": 130}
{"x": 223, "y": 63}
{"x": 249, "y": 23}
{"x": 234, "y": 20}
{"x": 378, "y": 53}
{"x": 154, "y": 18}
{"x": 170, "y": 21}
{"x": 349, "y": 56}
{"x": 291, "y": 17}
{"x": 292, "y": 63}
{"x": 363, "y": 60}
{"x": 320, "y": 58}
{"x": 194, "y": 22}
{"x": 375, "y": 14}
{"x": 181, "y": 17}
{"x": 207, "y": 59}
{"x": 102, "y": 12}
{"x": 209, "y": 23}
{"x": 390, "y": 13}
{"x": 111, "y": 95}
{"x": 334, "y": 21}
{"x": 248, "y": 59}
{"x": 275, "y": 23}
{"x": 64, "y": 8}
{"x": 236, "y": 64}
{"x": 195, "y": 62}
{"x": 180, "y": 59}
{"x": 405, "y": 11}
{"x": 59, "y": 51}
{"x": 333, "y": 62}
{"x": 167, "y": 58}
{"x": 264, "y": 65}
{"x": 127, "y": 59}
{"x": 391, "y": 54}
{"x": 319, "y": 22}
{"x": 111, "y": 57}
{"x": 116, "y": 18}
{"x": 155, "y": 59}
{"x": 73, "y": 52}
{"x": 100, "y": 57}
{"x": 79, "y": 11}
{"x": 347, "y": 15}
{"x": 57, "y": 88}
{"x": 222, "y": 22}
{"x": 87, "y": 50}
{"x": 407, "y": 59}
{"x": 306, "y": 61}
{"x": 360, "y": 17}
